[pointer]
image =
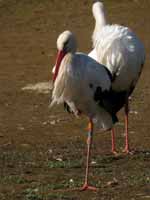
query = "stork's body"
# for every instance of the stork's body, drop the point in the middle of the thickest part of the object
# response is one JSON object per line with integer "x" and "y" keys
{"x": 120, "y": 50}
{"x": 84, "y": 85}
{"x": 82, "y": 82}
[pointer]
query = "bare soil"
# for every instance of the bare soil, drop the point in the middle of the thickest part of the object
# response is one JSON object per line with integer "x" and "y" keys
{"x": 42, "y": 151}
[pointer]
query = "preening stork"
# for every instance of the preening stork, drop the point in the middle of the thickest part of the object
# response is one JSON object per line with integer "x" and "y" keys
{"x": 120, "y": 50}
{"x": 84, "y": 85}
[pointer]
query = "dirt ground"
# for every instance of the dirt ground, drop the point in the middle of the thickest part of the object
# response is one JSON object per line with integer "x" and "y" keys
{"x": 42, "y": 151}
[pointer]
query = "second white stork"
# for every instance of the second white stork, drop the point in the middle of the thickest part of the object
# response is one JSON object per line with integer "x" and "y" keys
{"x": 84, "y": 85}
{"x": 122, "y": 52}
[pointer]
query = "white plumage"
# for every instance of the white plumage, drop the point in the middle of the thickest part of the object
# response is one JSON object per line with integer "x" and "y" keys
{"x": 118, "y": 48}
{"x": 99, "y": 14}
{"x": 121, "y": 51}
{"x": 84, "y": 85}
{"x": 78, "y": 78}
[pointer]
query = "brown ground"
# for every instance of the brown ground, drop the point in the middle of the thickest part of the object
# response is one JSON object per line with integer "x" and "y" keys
{"x": 31, "y": 139}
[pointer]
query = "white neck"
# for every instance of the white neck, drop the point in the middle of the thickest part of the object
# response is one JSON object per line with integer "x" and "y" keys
{"x": 99, "y": 14}
{"x": 100, "y": 17}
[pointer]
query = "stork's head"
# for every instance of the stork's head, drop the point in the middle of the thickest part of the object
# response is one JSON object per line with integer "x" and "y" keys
{"x": 66, "y": 43}
{"x": 98, "y": 7}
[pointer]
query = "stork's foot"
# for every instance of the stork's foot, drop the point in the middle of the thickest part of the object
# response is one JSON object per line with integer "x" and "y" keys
{"x": 114, "y": 152}
{"x": 128, "y": 151}
{"x": 88, "y": 187}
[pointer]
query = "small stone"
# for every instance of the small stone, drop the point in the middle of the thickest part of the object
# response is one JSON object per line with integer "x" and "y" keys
{"x": 132, "y": 132}
{"x": 93, "y": 162}
{"x": 20, "y": 127}
{"x": 59, "y": 159}
{"x": 71, "y": 180}
{"x": 53, "y": 122}
{"x": 44, "y": 123}
{"x": 113, "y": 182}
{"x": 133, "y": 112}
{"x": 50, "y": 151}
{"x": 36, "y": 190}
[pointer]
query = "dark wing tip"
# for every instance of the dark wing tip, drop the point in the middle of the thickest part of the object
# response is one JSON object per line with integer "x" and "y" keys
{"x": 114, "y": 119}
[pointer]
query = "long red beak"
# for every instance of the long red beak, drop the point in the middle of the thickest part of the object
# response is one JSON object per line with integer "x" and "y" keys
{"x": 60, "y": 56}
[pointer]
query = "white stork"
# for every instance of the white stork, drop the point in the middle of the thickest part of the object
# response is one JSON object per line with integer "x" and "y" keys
{"x": 84, "y": 85}
{"x": 121, "y": 51}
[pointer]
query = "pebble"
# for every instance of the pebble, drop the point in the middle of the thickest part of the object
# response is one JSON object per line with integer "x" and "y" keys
{"x": 113, "y": 182}
{"x": 59, "y": 159}
{"x": 93, "y": 162}
{"x": 133, "y": 112}
{"x": 53, "y": 122}
{"x": 50, "y": 151}
{"x": 71, "y": 180}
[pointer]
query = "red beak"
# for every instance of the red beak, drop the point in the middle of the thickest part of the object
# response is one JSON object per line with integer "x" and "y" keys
{"x": 60, "y": 56}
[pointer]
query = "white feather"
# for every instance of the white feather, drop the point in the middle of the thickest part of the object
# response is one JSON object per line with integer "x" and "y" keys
{"x": 119, "y": 49}
{"x": 77, "y": 72}
{"x": 100, "y": 19}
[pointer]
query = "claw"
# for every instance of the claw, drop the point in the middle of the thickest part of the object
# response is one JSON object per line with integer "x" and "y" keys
{"x": 128, "y": 151}
{"x": 115, "y": 152}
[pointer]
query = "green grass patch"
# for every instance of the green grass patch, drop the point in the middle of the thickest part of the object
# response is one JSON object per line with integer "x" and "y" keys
{"x": 48, "y": 192}
{"x": 65, "y": 185}
{"x": 142, "y": 178}
{"x": 58, "y": 196}
{"x": 32, "y": 194}
{"x": 64, "y": 164}
{"x": 13, "y": 179}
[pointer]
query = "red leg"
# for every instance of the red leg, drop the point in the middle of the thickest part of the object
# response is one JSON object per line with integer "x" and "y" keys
{"x": 86, "y": 186}
{"x": 126, "y": 149}
{"x": 113, "y": 148}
